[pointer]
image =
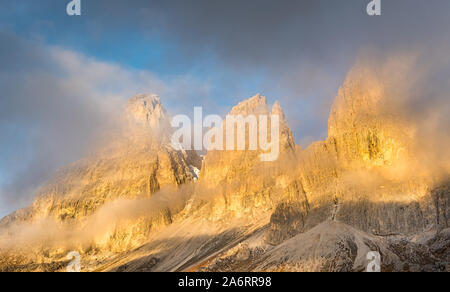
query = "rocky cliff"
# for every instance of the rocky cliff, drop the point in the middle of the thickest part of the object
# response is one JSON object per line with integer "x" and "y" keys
{"x": 241, "y": 182}
{"x": 367, "y": 173}
{"x": 135, "y": 162}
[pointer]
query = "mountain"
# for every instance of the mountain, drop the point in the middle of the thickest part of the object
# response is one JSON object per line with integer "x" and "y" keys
{"x": 137, "y": 204}
{"x": 134, "y": 163}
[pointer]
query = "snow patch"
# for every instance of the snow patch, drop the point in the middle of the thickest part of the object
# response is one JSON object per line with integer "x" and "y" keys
{"x": 195, "y": 172}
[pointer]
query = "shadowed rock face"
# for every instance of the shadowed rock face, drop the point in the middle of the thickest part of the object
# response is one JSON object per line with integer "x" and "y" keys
{"x": 318, "y": 209}
{"x": 330, "y": 247}
{"x": 286, "y": 222}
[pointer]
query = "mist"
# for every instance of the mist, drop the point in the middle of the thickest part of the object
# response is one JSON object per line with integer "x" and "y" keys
{"x": 98, "y": 230}
{"x": 416, "y": 86}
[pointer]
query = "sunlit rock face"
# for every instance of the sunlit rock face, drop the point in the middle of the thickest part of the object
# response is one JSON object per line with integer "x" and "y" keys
{"x": 363, "y": 132}
{"x": 243, "y": 184}
{"x": 391, "y": 193}
{"x": 222, "y": 165}
{"x": 366, "y": 173}
{"x": 147, "y": 110}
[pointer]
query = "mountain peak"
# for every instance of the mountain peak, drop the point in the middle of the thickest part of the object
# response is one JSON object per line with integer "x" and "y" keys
{"x": 278, "y": 110}
{"x": 254, "y": 105}
{"x": 146, "y": 109}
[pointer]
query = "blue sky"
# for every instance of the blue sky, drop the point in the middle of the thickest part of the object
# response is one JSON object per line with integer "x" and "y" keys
{"x": 58, "y": 73}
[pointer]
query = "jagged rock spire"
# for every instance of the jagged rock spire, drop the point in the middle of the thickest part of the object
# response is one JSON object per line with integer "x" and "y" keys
{"x": 255, "y": 105}
{"x": 286, "y": 137}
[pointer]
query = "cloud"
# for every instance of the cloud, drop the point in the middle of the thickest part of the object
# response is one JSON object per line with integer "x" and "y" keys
{"x": 55, "y": 102}
{"x": 300, "y": 50}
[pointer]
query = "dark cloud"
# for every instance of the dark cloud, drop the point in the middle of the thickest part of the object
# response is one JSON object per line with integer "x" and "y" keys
{"x": 302, "y": 48}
